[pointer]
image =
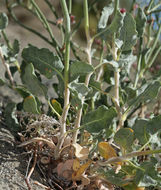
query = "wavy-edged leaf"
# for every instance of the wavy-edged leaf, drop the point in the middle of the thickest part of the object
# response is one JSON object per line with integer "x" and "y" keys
{"x": 99, "y": 119}
{"x": 148, "y": 93}
{"x": 112, "y": 177}
{"x": 80, "y": 68}
{"x": 140, "y": 131}
{"x": 3, "y": 21}
{"x": 10, "y": 117}
{"x": 106, "y": 12}
{"x": 140, "y": 22}
{"x": 128, "y": 33}
{"x": 78, "y": 92}
{"x": 113, "y": 28}
{"x": 31, "y": 81}
{"x": 154, "y": 125}
{"x": 43, "y": 60}
{"x": 124, "y": 138}
{"x": 148, "y": 176}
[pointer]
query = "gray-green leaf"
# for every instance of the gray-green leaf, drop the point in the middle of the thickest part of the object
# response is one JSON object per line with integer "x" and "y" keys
{"x": 78, "y": 92}
{"x": 107, "y": 11}
{"x": 31, "y": 81}
{"x": 128, "y": 33}
{"x": 80, "y": 68}
{"x": 149, "y": 93}
{"x": 140, "y": 22}
{"x": 43, "y": 60}
{"x": 3, "y": 21}
{"x": 99, "y": 119}
{"x": 113, "y": 28}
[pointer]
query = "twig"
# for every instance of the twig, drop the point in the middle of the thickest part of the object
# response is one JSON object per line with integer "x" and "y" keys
{"x": 31, "y": 171}
{"x": 37, "y": 139}
{"x": 41, "y": 185}
{"x": 7, "y": 68}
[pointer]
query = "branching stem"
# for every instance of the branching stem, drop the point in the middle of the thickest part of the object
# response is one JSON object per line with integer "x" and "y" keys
{"x": 66, "y": 80}
{"x": 89, "y": 58}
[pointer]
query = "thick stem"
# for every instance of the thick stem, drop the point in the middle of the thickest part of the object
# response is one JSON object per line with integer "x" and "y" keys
{"x": 7, "y": 68}
{"x": 66, "y": 80}
{"x": 87, "y": 79}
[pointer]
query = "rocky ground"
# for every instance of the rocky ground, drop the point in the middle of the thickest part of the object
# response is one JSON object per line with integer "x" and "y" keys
{"x": 13, "y": 161}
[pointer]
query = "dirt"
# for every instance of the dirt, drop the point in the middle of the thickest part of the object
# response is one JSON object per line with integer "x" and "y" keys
{"x": 13, "y": 161}
{"x": 13, "y": 164}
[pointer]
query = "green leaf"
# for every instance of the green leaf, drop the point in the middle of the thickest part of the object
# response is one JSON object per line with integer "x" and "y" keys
{"x": 131, "y": 93}
{"x": 126, "y": 60}
{"x": 13, "y": 70}
{"x": 57, "y": 106}
{"x": 43, "y": 60}
{"x": 2, "y": 82}
{"x": 16, "y": 47}
{"x": 22, "y": 91}
{"x": 78, "y": 92}
{"x": 113, "y": 28}
{"x": 107, "y": 11}
{"x": 80, "y": 68}
{"x": 95, "y": 88}
{"x": 99, "y": 119}
{"x": 3, "y": 21}
{"x": 148, "y": 176}
{"x": 10, "y": 118}
{"x": 128, "y": 33}
{"x": 30, "y": 80}
{"x": 154, "y": 125}
{"x": 30, "y": 105}
{"x": 112, "y": 177}
{"x": 110, "y": 63}
{"x": 149, "y": 93}
{"x": 140, "y": 131}
{"x": 124, "y": 138}
{"x": 140, "y": 22}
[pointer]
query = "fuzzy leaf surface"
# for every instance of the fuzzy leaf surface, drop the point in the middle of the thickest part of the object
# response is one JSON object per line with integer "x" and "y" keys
{"x": 140, "y": 22}
{"x": 149, "y": 175}
{"x": 124, "y": 138}
{"x": 32, "y": 82}
{"x": 149, "y": 93}
{"x": 107, "y": 11}
{"x": 10, "y": 117}
{"x": 99, "y": 119}
{"x": 80, "y": 68}
{"x": 78, "y": 91}
{"x": 113, "y": 28}
{"x": 3, "y": 21}
{"x": 45, "y": 61}
{"x": 128, "y": 33}
{"x": 140, "y": 132}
